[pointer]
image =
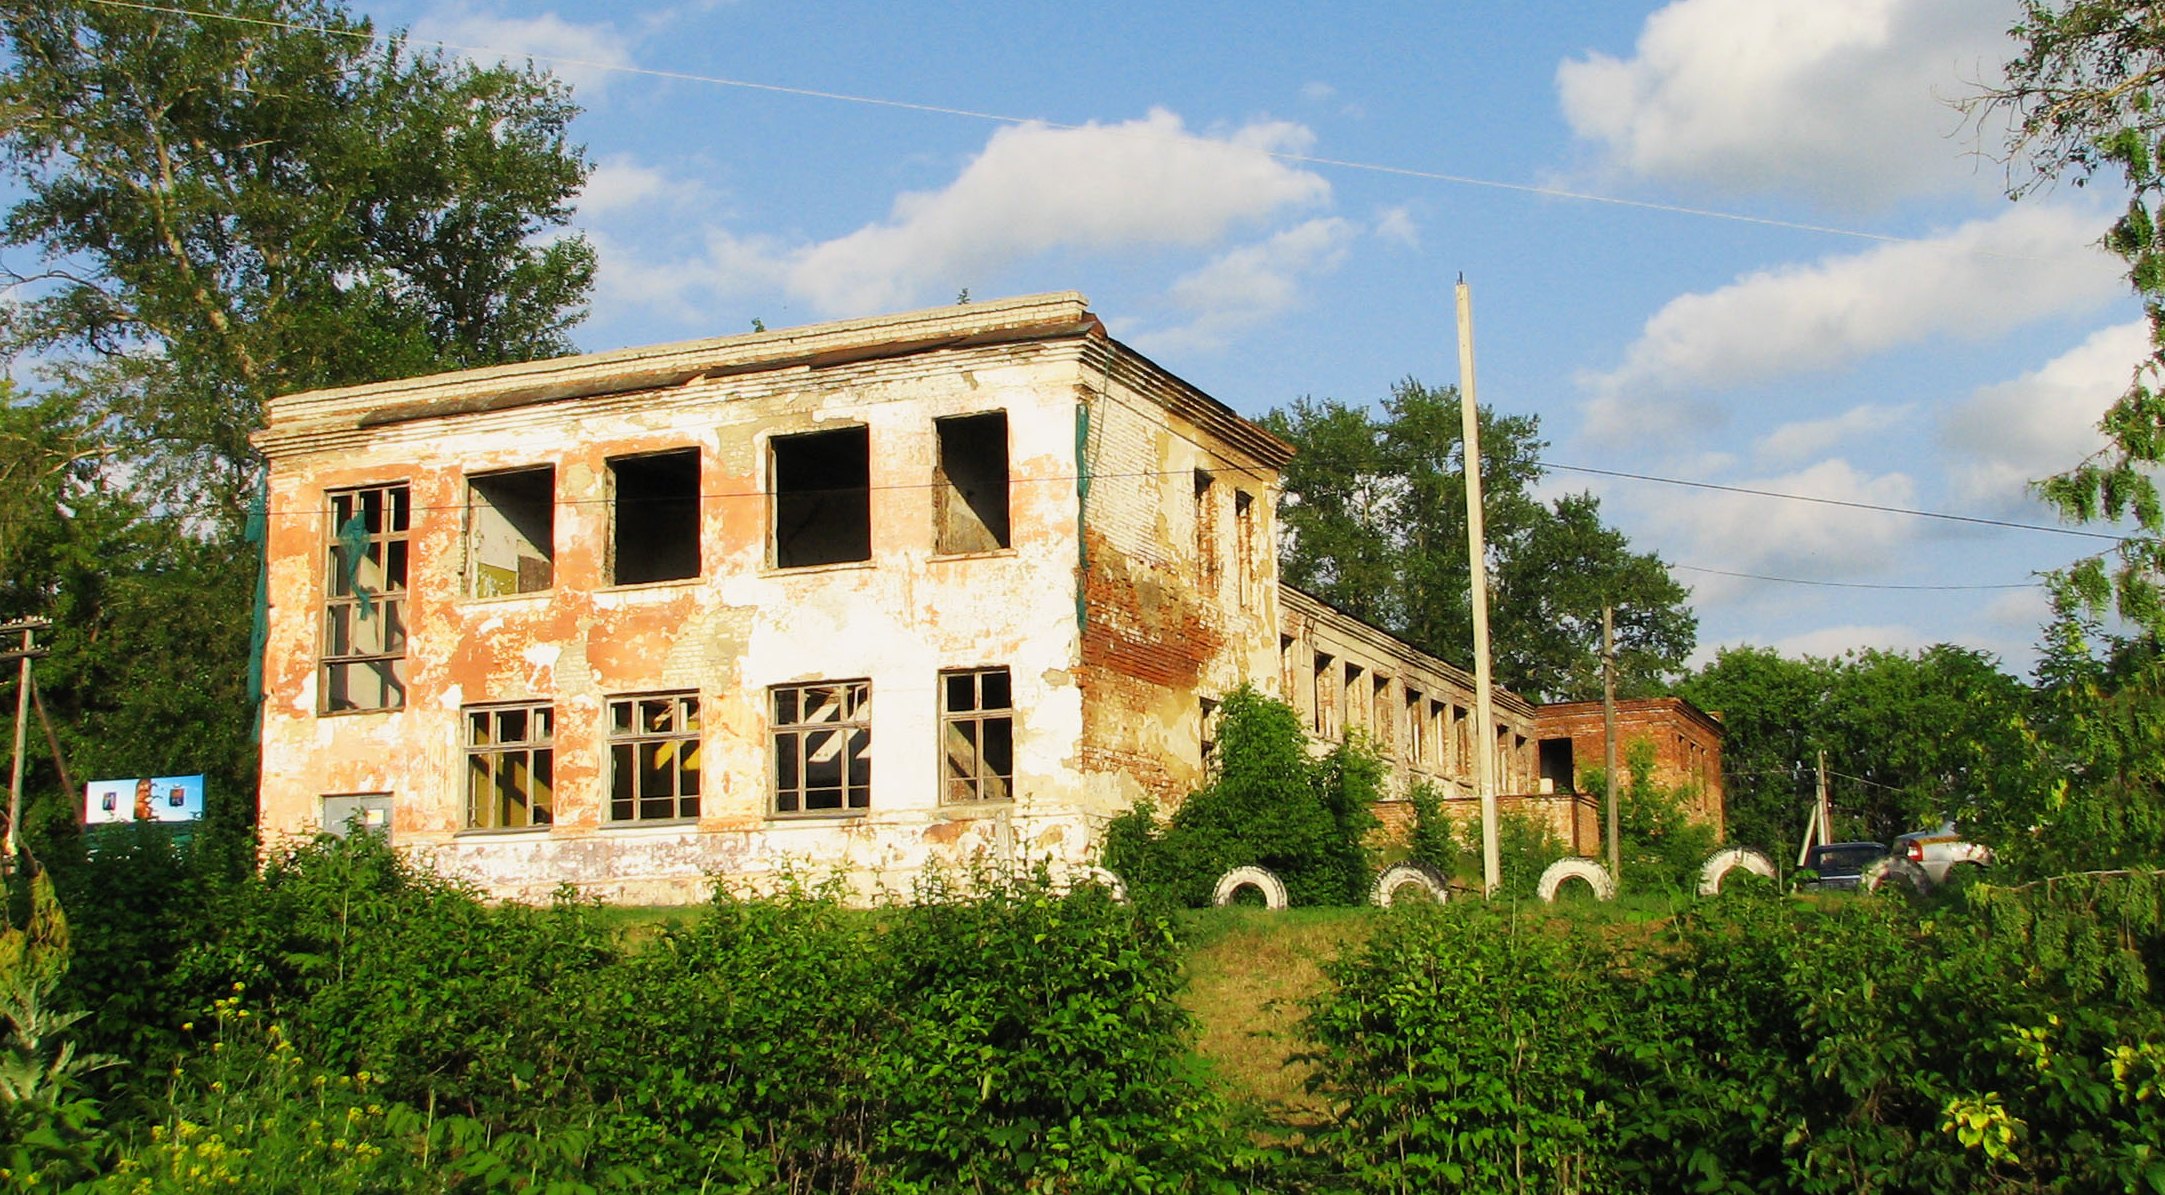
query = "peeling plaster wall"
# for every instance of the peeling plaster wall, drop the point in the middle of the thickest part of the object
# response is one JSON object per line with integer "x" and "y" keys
{"x": 736, "y": 629}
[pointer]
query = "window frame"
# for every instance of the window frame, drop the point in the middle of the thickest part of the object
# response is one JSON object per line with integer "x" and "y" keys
{"x": 781, "y": 448}
{"x": 540, "y": 749}
{"x": 476, "y": 501}
{"x": 630, "y": 735}
{"x": 384, "y": 544}
{"x": 978, "y": 716}
{"x": 614, "y": 561}
{"x": 855, "y": 719}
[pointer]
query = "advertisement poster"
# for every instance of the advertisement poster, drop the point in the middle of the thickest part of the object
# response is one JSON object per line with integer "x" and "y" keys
{"x": 143, "y": 799}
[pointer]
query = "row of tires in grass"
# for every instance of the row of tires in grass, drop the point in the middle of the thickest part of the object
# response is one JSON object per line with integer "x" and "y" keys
{"x": 1426, "y": 883}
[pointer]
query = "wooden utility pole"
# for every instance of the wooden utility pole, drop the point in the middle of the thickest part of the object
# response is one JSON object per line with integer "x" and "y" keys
{"x": 1826, "y": 807}
{"x": 28, "y": 629}
{"x": 1608, "y": 740}
{"x": 1477, "y": 572}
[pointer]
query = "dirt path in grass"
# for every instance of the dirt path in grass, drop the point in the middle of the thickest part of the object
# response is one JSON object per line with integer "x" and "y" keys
{"x": 1248, "y": 971}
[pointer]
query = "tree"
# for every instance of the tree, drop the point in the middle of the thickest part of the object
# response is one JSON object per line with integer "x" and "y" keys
{"x": 259, "y": 197}
{"x": 1375, "y": 519}
{"x": 216, "y": 207}
{"x": 1910, "y": 739}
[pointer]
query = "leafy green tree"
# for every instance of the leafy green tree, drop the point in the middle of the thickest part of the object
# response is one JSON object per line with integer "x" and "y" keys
{"x": 1375, "y": 514}
{"x": 217, "y": 207}
{"x": 258, "y": 197}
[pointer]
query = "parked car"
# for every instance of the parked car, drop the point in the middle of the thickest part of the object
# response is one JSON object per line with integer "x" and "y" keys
{"x": 1942, "y": 852}
{"x": 1841, "y": 864}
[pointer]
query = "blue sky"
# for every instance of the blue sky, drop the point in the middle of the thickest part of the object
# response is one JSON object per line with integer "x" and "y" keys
{"x": 1273, "y": 200}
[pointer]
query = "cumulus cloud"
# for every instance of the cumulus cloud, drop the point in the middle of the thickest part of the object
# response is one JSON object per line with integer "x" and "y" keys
{"x": 1396, "y": 224}
{"x": 1809, "y": 437}
{"x": 1846, "y": 100}
{"x": 620, "y": 183}
{"x": 583, "y": 55}
{"x": 1249, "y": 285}
{"x": 2011, "y": 433}
{"x": 1747, "y": 533}
{"x": 1978, "y": 281}
{"x": 1141, "y": 183}
{"x": 1833, "y": 641}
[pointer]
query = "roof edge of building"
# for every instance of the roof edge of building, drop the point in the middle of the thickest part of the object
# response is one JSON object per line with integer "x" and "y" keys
{"x": 1305, "y": 602}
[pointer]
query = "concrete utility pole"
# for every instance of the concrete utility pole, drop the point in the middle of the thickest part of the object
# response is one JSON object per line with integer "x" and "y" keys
{"x": 28, "y": 629}
{"x": 1477, "y": 561}
{"x": 1608, "y": 740}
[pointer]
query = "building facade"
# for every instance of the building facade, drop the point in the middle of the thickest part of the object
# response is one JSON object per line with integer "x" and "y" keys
{"x": 852, "y": 598}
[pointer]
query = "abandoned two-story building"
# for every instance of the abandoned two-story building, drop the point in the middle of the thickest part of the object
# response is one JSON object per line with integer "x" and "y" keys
{"x": 859, "y": 596}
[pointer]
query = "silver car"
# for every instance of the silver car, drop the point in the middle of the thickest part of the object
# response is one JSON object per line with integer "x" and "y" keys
{"x": 1939, "y": 853}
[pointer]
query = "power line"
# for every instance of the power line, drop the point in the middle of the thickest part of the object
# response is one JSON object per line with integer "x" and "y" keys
{"x": 1976, "y": 520}
{"x": 1465, "y": 180}
{"x": 1846, "y": 584}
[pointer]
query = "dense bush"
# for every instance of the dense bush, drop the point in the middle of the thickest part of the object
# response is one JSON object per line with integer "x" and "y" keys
{"x": 1269, "y": 803}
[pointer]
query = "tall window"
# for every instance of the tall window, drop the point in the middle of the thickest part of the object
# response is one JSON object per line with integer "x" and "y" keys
{"x": 364, "y": 605}
{"x": 823, "y": 747}
{"x": 654, "y": 757}
{"x": 511, "y": 532}
{"x": 970, "y": 483}
{"x": 977, "y": 735}
{"x": 654, "y": 528}
{"x": 1206, "y": 529}
{"x": 822, "y": 486}
{"x": 510, "y": 766}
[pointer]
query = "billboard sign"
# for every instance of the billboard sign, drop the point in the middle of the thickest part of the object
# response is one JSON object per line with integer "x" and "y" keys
{"x": 143, "y": 799}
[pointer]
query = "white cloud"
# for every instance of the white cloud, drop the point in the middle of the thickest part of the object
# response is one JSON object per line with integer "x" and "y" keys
{"x": 1251, "y": 284}
{"x": 619, "y": 183}
{"x": 2011, "y": 433}
{"x": 1806, "y": 438}
{"x": 1147, "y": 182}
{"x": 1317, "y": 92}
{"x": 1746, "y": 533}
{"x": 582, "y": 55}
{"x": 1978, "y": 281}
{"x": 1843, "y": 99}
{"x": 1396, "y": 224}
{"x": 1833, "y": 641}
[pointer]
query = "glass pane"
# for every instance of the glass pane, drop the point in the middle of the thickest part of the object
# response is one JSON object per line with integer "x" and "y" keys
{"x": 996, "y": 695}
{"x": 822, "y": 759}
{"x": 788, "y": 761}
{"x": 785, "y": 707}
{"x": 688, "y": 769}
{"x": 821, "y": 704}
{"x": 655, "y": 774}
{"x": 688, "y": 807}
{"x": 621, "y": 763}
{"x": 401, "y": 505}
{"x": 544, "y": 787}
{"x": 961, "y": 693}
{"x": 961, "y": 750}
{"x": 477, "y": 728}
{"x": 999, "y": 746}
{"x": 511, "y": 726}
{"x": 395, "y": 555}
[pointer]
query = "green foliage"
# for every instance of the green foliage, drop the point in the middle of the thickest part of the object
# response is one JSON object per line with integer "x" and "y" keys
{"x": 48, "y": 1121}
{"x": 1376, "y": 508}
{"x": 1911, "y": 739}
{"x": 1661, "y": 846}
{"x": 1270, "y": 804}
{"x": 1456, "y": 1051}
{"x": 1525, "y": 846}
{"x": 1434, "y": 839}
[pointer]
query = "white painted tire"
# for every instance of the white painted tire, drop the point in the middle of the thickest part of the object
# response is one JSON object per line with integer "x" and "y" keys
{"x": 1258, "y": 878}
{"x": 1892, "y": 872}
{"x": 1116, "y": 887}
{"x": 1593, "y": 873}
{"x": 1401, "y": 875}
{"x": 1719, "y": 864}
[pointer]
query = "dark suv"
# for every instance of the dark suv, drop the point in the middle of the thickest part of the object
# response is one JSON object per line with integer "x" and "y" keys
{"x": 1842, "y": 864}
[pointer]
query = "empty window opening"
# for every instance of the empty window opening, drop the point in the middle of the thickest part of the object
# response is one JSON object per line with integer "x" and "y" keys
{"x": 1356, "y": 706}
{"x": 655, "y": 536}
{"x": 510, "y": 767}
{"x": 369, "y": 813}
{"x": 970, "y": 487}
{"x": 654, "y": 757}
{"x": 364, "y": 607}
{"x": 1383, "y": 726}
{"x": 1207, "y": 721}
{"x": 1325, "y": 697}
{"x": 511, "y": 532}
{"x": 1417, "y": 738}
{"x": 1206, "y": 529}
{"x": 1244, "y": 555}
{"x": 823, "y": 747}
{"x": 977, "y": 736}
{"x": 822, "y": 498}
{"x": 1557, "y": 765}
{"x": 1286, "y": 675}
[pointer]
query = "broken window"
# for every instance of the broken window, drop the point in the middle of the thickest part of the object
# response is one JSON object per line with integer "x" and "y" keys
{"x": 511, "y": 532}
{"x": 510, "y": 766}
{"x": 1461, "y": 742}
{"x": 654, "y": 535}
{"x": 1383, "y": 727}
{"x": 654, "y": 757}
{"x": 370, "y": 813}
{"x": 1206, "y": 529}
{"x": 1557, "y": 765}
{"x": 823, "y": 747}
{"x": 1356, "y": 698}
{"x": 970, "y": 484}
{"x": 364, "y": 606}
{"x": 977, "y": 735}
{"x": 1207, "y": 722}
{"x": 822, "y": 498}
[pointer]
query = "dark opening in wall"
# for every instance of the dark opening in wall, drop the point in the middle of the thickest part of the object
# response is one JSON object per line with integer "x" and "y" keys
{"x": 971, "y": 483}
{"x": 822, "y": 498}
{"x": 1558, "y": 766}
{"x": 655, "y": 536}
{"x": 511, "y": 532}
